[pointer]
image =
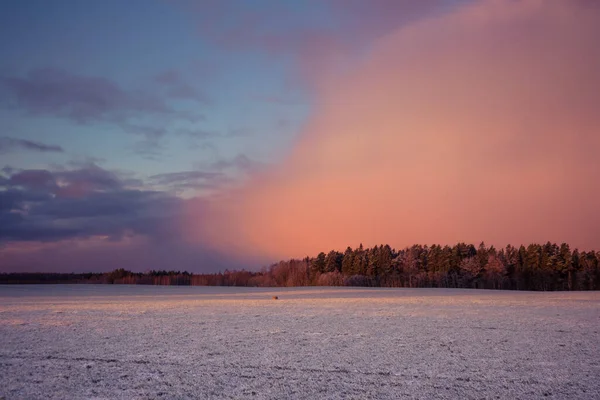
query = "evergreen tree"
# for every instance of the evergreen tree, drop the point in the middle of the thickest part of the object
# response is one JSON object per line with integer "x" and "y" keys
{"x": 360, "y": 261}
{"x": 318, "y": 264}
{"x": 333, "y": 261}
{"x": 348, "y": 262}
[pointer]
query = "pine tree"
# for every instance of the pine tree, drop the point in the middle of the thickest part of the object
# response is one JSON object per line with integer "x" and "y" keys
{"x": 348, "y": 262}
{"x": 333, "y": 261}
{"x": 318, "y": 264}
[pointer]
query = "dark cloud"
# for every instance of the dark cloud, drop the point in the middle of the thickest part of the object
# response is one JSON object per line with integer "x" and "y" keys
{"x": 7, "y": 169}
{"x": 77, "y": 97}
{"x": 88, "y": 99}
{"x": 65, "y": 182}
{"x": 90, "y": 219}
{"x": 89, "y": 178}
{"x": 33, "y": 179}
{"x": 8, "y": 144}
{"x": 14, "y": 200}
{"x": 42, "y": 205}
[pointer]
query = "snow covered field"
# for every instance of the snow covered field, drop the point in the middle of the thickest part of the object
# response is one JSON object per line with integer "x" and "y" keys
{"x": 140, "y": 342}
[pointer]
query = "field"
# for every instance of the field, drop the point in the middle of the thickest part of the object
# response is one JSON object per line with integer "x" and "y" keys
{"x": 146, "y": 342}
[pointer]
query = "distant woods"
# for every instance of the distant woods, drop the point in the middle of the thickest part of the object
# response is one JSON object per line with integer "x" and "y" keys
{"x": 535, "y": 267}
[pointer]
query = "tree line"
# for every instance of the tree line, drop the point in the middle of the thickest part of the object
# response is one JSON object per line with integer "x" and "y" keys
{"x": 546, "y": 267}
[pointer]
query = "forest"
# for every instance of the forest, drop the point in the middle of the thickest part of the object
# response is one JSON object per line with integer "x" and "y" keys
{"x": 547, "y": 267}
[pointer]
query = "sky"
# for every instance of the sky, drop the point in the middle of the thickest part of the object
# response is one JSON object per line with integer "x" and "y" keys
{"x": 213, "y": 134}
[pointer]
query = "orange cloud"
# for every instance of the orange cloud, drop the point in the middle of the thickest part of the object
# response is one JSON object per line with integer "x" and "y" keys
{"x": 477, "y": 125}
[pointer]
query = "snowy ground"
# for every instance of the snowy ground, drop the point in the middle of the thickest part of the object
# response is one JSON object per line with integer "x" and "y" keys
{"x": 137, "y": 342}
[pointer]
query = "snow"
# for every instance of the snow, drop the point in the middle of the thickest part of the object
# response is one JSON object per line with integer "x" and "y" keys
{"x": 147, "y": 342}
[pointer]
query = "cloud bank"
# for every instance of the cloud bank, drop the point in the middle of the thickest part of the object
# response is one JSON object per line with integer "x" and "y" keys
{"x": 8, "y": 144}
{"x": 480, "y": 124}
{"x": 91, "y": 219}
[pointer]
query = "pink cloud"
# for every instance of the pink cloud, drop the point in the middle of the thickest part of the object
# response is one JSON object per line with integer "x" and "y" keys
{"x": 476, "y": 125}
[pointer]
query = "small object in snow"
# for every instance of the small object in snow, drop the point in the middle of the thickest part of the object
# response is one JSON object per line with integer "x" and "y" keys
{"x": 275, "y": 298}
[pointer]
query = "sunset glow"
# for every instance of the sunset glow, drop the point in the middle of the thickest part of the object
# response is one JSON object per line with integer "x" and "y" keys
{"x": 477, "y": 125}
{"x": 245, "y": 141}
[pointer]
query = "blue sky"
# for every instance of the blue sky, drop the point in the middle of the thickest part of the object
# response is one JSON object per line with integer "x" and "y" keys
{"x": 146, "y": 87}
{"x": 221, "y": 99}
